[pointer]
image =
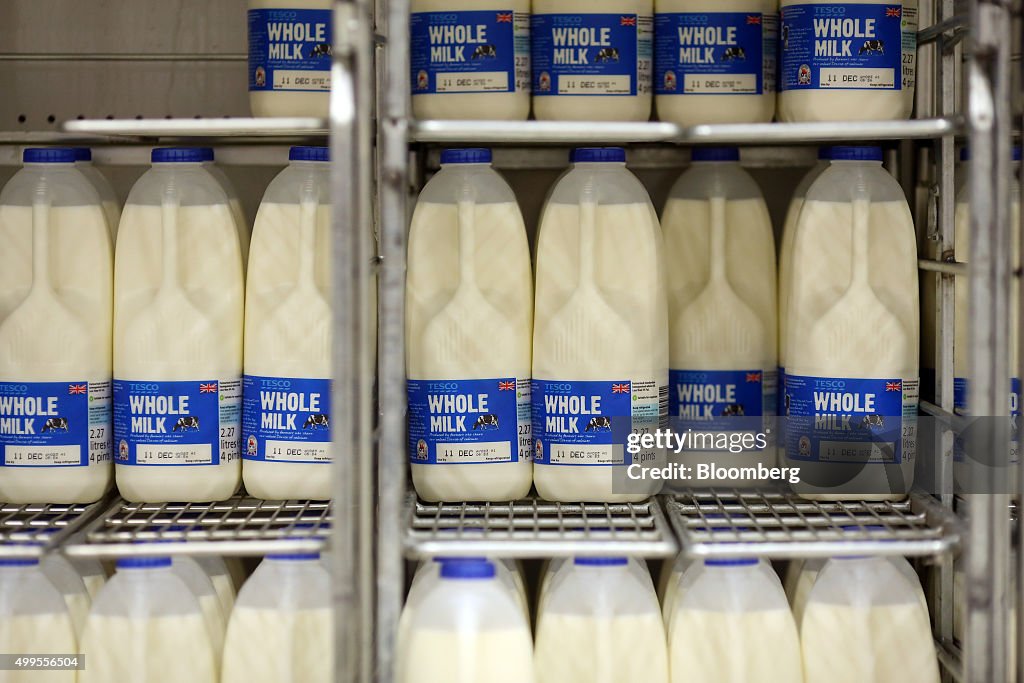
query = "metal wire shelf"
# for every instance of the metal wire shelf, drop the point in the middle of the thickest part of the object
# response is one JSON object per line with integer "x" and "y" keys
{"x": 32, "y": 530}
{"x": 242, "y": 127}
{"x": 950, "y": 659}
{"x": 533, "y": 528}
{"x": 730, "y": 524}
{"x": 237, "y": 526}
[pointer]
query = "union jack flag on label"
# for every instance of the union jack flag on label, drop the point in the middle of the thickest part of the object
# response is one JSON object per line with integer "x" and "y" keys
{"x": 75, "y": 389}
{"x": 210, "y": 388}
{"x": 896, "y": 12}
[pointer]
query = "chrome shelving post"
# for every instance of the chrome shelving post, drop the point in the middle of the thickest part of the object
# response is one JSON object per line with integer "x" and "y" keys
{"x": 352, "y": 533}
{"x": 392, "y": 196}
{"x": 986, "y": 647}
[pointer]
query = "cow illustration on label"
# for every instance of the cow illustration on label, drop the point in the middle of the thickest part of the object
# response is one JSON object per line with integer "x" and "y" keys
{"x": 733, "y": 410}
{"x": 872, "y": 422}
{"x": 187, "y": 423}
{"x": 599, "y": 424}
{"x": 318, "y": 421}
{"x": 484, "y": 52}
{"x": 872, "y": 47}
{"x": 55, "y": 424}
{"x": 321, "y": 50}
{"x": 608, "y": 54}
{"x": 734, "y": 54}
{"x": 487, "y": 422}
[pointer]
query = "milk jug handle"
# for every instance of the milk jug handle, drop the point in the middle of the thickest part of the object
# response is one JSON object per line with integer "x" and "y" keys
{"x": 588, "y": 226}
{"x": 308, "y": 206}
{"x": 861, "y": 233}
{"x": 466, "y": 221}
{"x": 716, "y": 240}
{"x": 41, "y": 241}
{"x": 169, "y": 206}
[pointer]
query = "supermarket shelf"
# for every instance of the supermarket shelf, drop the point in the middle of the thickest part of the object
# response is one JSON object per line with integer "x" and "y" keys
{"x": 237, "y": 526}
{"x": 596, "y": 132}
{"x": 730, "y": 524}
{"x": 950, "y": 660}
{"x": 32, "y": 530}
{"x": 533, "y": 528}
{"x": 201, "y": 128}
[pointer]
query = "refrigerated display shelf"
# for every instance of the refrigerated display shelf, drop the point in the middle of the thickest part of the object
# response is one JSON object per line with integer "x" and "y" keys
{"x": 292, "y": 127}
{"x": 598, "y": 132}
{"x": 534, "y": 528}
{"x": 950, "y": 660}
{"x": 731, "y": 524}
{"x": 237, "y": 526}
{"x": 33, "y": 529}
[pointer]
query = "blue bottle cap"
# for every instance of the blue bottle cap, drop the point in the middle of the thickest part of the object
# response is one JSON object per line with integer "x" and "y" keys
{"x": 475, "y": 155}
{"x": 294, "y": 557}
{"x": 181, "y": 155}
{"x": 715, "y": 154}
{"x": 83, "y": 154}
{"x": 598, "y": 155}
{"x": 737, "y": 562}
{"x": 48, "y": 155}
{"x": 143, "y": 562}
{"x": 467, "y": 569}
{"x": 309, "y": 154}
{"x": 19, "y": 561}
{"x": 856, "y": 153}
{"x": 601, "y": 561}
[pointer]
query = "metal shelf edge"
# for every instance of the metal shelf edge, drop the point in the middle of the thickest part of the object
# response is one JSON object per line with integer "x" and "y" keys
{"x": 219, "y": 127}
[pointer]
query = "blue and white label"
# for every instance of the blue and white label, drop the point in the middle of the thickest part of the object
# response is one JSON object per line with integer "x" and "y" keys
{"x": 719, "y": 400}
{"x": 470, "y": 421}
{"x": 714, "y": 53}
{"x": 54, "y": 424}
{"x": 177, "y": 423}
{"x": 837, "y": 420}
{"x": 286, "y": 419}
{"x": 588, "y": 423}
{"x": 484, "y": 51}
{"x": 592, "y": 54}
{"x": 960, "y": 406}
{"x": 290, "y": 50}
{"x": 848, "y": 47}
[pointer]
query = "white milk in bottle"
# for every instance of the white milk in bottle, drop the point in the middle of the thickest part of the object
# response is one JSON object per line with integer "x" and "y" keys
{"x": 469, "y": 314}
{"x": 600, "y": 346}
{"x": 847, "y": 61}
{"x": 962, "y": 322}
{"x": 715, "y": 60}
{"x": 470, "y": 59}
{"x": 108, "y": 197}
{"x": 468, "y": 629}
{"x": 592, "y": 61}
{"x": 734, "y": 624}
{"x": 287, "y": 385}
{"x": 147, "y": 627}
{"x": 290, "y": 57}
{"x": 720, "y": 250}
{"x": 33, "y": 620}
{"x": 601, "y": 622}
{"x": 281, "y": 630}
{"x": 865, "y": 622}
{"x": 177, "y": 336}
{"x": 56, "y": 279}
{"x": 851, "y": 391}
{"x": 65, "y": 578}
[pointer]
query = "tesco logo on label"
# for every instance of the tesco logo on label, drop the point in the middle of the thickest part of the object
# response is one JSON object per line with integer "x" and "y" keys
{"x": 281, "y": 15}
{"x": 567, "y": 21}
{"x": 14, "y": 389}
{"x": 442, "y": 386}
{"x": 829, "y": 10}
{"x": 143, "y": 388}
{"x": 277, "y": 383}
{"x": 559, "y": 387}
{"x": 440, "y": 18}
{"x": 830, "y": 384}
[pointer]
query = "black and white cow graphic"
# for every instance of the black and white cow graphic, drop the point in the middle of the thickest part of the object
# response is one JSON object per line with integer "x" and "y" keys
{"x": 321, "y": 50}
{"x": 872, "y": 421}
{"x": 187, "y": 424}
{"x": 487, "y": 422}
{"x": 733, "y": 410}
{"x": 608, "y": 54}
{"x": 734, "y": 54}
{"x": 484, "y": 52}
{"x": 318, "y": 421}
{"x": 55, "y": 424}
{"x": 599, "y": 424}
{"x": 872, "y": 47}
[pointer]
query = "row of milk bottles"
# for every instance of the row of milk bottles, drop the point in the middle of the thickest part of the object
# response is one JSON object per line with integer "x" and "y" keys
{"x": 698, "y": 61}
{"x": 515, "y": 379}
{"x": 139, "y": 359}
{"x": 598, "y": 619}
{"x": 161, "y": 619}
